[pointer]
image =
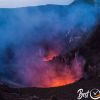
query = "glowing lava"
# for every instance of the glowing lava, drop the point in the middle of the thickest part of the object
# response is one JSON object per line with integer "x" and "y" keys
{"x": 61, "y": 82}
{"x": 49, "y": 56}
{"x": 60, "y": 75}
{"x": 45, "y": 73}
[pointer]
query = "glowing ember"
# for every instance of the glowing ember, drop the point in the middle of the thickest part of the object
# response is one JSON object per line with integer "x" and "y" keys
{"x": 49, "y": 56}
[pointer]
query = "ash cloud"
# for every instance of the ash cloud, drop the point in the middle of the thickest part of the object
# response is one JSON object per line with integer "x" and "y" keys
{"x": 27, "y": 35}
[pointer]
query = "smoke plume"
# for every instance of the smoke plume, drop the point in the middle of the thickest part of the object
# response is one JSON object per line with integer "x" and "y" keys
{"x": 31, "y": 37}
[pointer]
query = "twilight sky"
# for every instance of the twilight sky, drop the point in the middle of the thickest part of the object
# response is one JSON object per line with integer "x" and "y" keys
{"x": 21, "y": 3}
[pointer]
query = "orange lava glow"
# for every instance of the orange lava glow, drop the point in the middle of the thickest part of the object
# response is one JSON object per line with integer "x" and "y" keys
{"x": 58, "y": 74}
{"x": 53, "y": 79}
{"x": 60, "y": 82}
{"x": 50, "y": 55}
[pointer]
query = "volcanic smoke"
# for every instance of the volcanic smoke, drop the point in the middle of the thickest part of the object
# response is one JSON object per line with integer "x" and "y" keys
{"x": 33, "y": 41}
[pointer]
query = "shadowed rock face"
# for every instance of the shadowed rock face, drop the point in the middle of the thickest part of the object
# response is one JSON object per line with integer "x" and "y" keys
{"x": 92, "y": 53}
